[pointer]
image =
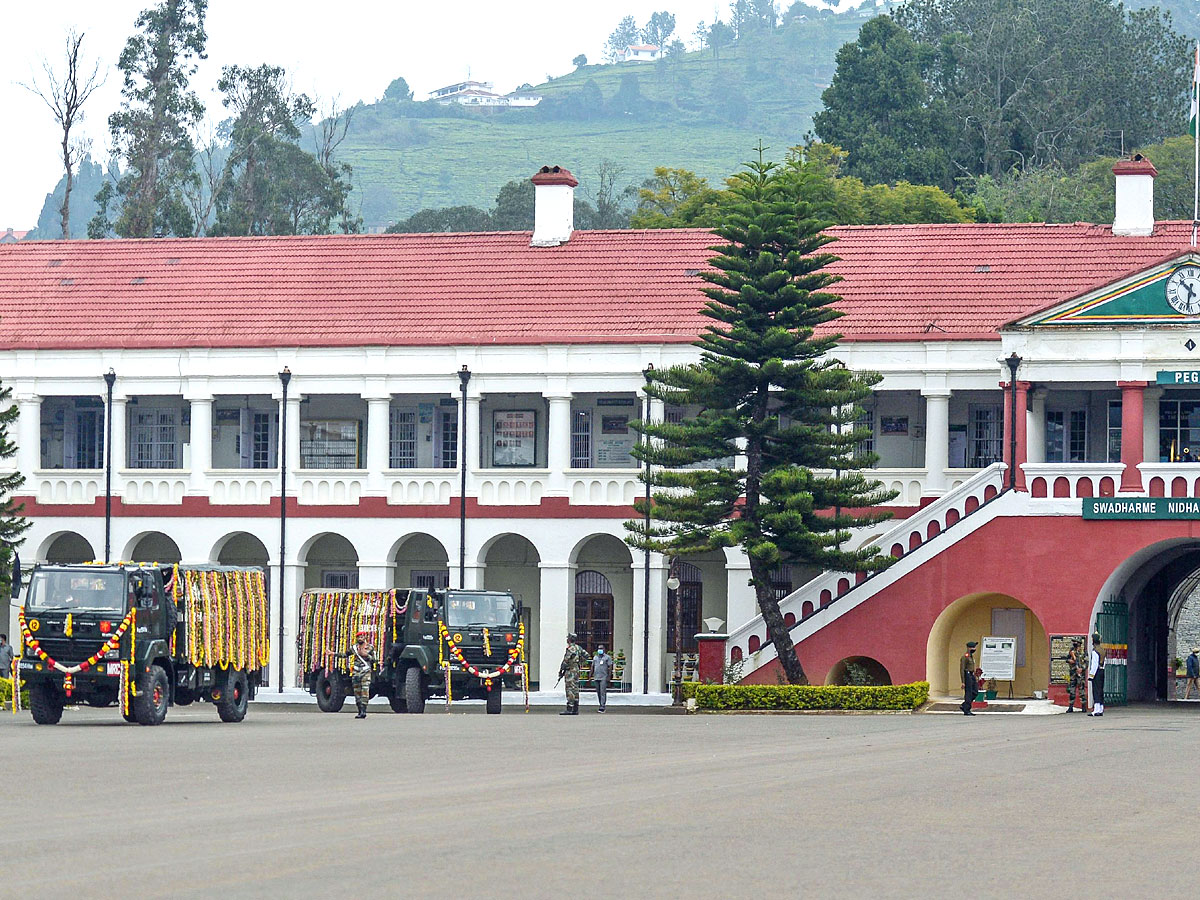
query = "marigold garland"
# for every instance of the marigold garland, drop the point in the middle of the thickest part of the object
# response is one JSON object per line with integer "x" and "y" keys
{"x": 225, "y": 616}
{"x": 330, "y": 621}
{"x": 486, "y": 677}
{"x": 112, "y": 643}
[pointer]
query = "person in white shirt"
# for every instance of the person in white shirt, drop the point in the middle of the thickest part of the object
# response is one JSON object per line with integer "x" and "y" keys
{"x": 1096, "y": 675}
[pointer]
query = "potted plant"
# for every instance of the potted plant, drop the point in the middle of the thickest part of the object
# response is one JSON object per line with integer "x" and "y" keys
{"x": 991, "y": 688}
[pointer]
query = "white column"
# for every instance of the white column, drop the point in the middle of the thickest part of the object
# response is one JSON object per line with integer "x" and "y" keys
{"x": 558, "y": 443}
{"x": 555, "y": 597}
{"x": 29, "y": 434}
{"x": 658, "y": 592}
{"x": 937, "y": 441}
{"x": 378, "y": 443}
{"x": 292, "y": 439}
{"x": 1151, "y": 451}
{"x": 293, "y": 585}
{"x": 376, "y": 576}
{"x": 475, "y": 574}
{"x": 741, "y": 603}
{"x": 120, "y": 458}
{"x": 1036, "y": 428}
{"x": 201, "y": 443}
{"x": 471, "y": 438}
{"x": 658, "y": 623}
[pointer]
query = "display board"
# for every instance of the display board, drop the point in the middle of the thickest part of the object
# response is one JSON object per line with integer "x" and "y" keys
{"x": 998, "y": 658}
{"x": 1060, "y": 646}
{"x": 615, "y": 442}
{"x": 514, "y": 437}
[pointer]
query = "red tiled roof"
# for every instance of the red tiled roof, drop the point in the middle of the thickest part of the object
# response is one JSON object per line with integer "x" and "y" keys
{"x": 902, "y": 282}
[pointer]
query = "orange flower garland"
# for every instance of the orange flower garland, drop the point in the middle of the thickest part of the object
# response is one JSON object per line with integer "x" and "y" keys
{"x": 486, "y": 677}
{"x": 112, "y": 643}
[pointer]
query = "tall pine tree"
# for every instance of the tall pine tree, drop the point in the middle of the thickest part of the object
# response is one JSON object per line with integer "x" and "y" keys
{"x": 12, "y": 523}
{"x": 768, "y": 390}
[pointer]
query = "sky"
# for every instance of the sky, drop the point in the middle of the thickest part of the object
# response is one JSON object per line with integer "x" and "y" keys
{"x": 350, "y": 50}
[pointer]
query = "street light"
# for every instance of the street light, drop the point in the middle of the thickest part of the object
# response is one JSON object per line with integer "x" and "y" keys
{"x": 464, "y": 375}
{"x": 1014, "y": 363}
{"x": 110, "y": 378}
{"x": 673, "y": 585}
{"x": 648, "y": 374}
{"x": 284, "y": 377}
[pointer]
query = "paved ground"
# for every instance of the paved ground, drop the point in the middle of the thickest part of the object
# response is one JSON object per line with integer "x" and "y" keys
{"x": 292, "y": 803}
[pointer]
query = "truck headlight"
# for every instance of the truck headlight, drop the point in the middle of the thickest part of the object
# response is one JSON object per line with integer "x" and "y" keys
{"x": 113, "y": 654}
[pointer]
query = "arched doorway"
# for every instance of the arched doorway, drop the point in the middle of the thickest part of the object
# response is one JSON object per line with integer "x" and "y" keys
{"x": 421, "y": 561}
{"x": 67, "y": 548}
{"x": 241, "y": 549}
{"x": 331, "y": 562}
{"x": 975, "y": 616}
{"x": 858, "y": 670}
{"x": 593, "y": 611}
{"x": 602, "y": 610}
{"x": 153, "y": 546}
{"x": 689, "y": 599}
{"x": 512, "y": 564}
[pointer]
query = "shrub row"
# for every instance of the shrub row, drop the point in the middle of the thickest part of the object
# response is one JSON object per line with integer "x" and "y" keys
{"x": 787, "y": 696}
{"x": 6, "y": 693}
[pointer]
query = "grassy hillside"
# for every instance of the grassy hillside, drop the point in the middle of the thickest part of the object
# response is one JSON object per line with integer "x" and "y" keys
{"x": 695, "y": 111}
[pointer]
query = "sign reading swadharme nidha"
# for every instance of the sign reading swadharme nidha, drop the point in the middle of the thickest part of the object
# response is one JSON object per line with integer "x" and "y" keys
{"x": 1181, "y": 377}
{"x": 1141, "y": 508}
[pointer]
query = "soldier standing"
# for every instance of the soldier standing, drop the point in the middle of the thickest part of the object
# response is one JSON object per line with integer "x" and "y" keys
{"x": 572, "y": 664}
{"x": 364, "y": 659}
{"x": 1077, "y": 670}
{"x": 966, "y": 670}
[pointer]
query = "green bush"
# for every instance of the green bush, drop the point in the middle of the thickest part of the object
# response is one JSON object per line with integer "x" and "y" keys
{"x": 787, "y": 696}
{"x": 6, "y": 694}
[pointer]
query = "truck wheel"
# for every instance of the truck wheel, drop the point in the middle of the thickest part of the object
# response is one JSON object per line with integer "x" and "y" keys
{"x": 235, "y": 698}
{"x": 397, "y": 702}
{"x": 46, "y": 703}
{"x": 128, "y": 716}
{"x": 153, "y": 694}
{"x": 414, "y": 690}
{"x": 494, "y": 697}
{"x": 331, "y": 690}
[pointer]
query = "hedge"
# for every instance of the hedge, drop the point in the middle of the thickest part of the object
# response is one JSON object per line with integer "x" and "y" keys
{"x": 789, "y": 696}
{"x": 6, "y": 694}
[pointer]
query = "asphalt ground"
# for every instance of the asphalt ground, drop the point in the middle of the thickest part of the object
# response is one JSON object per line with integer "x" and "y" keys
{"x": 294, "y": 804}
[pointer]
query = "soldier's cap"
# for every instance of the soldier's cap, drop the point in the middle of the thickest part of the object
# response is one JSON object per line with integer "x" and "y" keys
{"x": 363, "y": 636}
{"x": 572, "y": 636}
{"x": 1075, "y": 642}
{"x": 971, "y": 645}
{"x": 1096, "y": 636}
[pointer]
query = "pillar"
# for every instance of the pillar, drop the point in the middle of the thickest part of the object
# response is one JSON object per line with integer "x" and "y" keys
{"x": 1022, "y": 438}
{"x": 119, "y": 437}
{"x": 379, "y": 435}
{"x": 293, "y": 585}
{"x": 1132, "y": 433}
{"x": 201, "y": 443}
{"x": 1036, "y": 445}
{"x": 639, "y": 662}
{"x": 29, "y": 434}
{"x": 558, "y": 443}
{"x": 741, "y": 600}
{"x": 555, "y": 595}
{"x": 471, "y": 440}
{"x": 710, "y": 668}
{"x": 1150, "y": 448}
{"x": 937, "y": 441}
{"x": 292, "y": 439}
{"x": 475, "y": 573}
{"x": 376, "y": 576}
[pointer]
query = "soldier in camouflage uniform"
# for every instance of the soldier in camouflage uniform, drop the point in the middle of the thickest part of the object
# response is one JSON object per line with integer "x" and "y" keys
{"x": 365, "y": 660}
{"x": 1077, "y": 668}
{"x": 574, "y": 661}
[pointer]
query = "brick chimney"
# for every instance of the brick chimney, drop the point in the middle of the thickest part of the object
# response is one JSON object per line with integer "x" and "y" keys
{"x": 553, "y": 206}
{"x": 1135, "y": 196}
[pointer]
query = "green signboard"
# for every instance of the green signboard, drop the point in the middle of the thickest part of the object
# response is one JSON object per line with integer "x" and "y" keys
{"x": 1141, "y": 507}
{"x": 1184, "y": 377}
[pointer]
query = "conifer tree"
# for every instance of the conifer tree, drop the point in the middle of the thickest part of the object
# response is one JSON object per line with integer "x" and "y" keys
{"x": 769, "y": 393}
{"x": 12, "y": 523}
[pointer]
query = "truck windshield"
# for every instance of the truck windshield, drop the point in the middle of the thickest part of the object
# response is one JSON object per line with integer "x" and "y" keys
{"x": 479, "y": 609}
{"x": 70, "y": 591}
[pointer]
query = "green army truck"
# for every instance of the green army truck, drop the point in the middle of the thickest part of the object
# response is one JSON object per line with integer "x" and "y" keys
{"x": 144, "y": 637}
{"x": 420, "y": 637}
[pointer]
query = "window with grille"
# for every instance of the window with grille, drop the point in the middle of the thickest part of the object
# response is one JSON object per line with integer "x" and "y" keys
{"x": 89, "y": 440}
{"x": 152, "y": 439}
{"x": 1066, "y": 435}
{"x": 430, "y": 579}
{"x": 262, "y": 444}
{"x": 340, "y": 580}
{"x": 593, "y": 611}
{"x": 329, "y": 443}
{"x": 403, "y": 453}
{"x": 865, "y": 422}
{"x": 986, "y": 436}
{"x": 1178, "y": 439}
{"x": 691, "y": 601}
{"x": 781, "y": 581}
{"x": 449, "y": 439}
{"x": 581, "y": 439}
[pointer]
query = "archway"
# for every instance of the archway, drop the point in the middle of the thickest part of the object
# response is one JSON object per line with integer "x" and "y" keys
{"x": 511, "y": 563}
{"x": 331, "y": 562}
{"x": 240, "y": 549}
{"x": 421, "y": 561}
{"x": 66, "y": 548}
{"x": 602, "y": 611}
{"x": 975, "y": 616}
{"x": 152, "y": 546}
{"x": 858, "y": 670}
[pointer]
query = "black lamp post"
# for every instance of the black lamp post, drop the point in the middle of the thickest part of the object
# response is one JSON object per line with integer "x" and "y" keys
{"x": 673, "y": 586}
{"x": 110, "y": 378}
{"x": 648, "y": 374}
{"x": 464, "y": 375}
{"x": 1014, "y": 363}
{"x": 284, "y": 377}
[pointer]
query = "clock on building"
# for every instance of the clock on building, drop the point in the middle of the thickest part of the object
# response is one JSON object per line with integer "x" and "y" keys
{"x": 1183, "y": 290}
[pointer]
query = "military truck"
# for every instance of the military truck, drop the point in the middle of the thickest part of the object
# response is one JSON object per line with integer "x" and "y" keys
{"x": 420, "y": 637}
{"x": 143, "y": 636}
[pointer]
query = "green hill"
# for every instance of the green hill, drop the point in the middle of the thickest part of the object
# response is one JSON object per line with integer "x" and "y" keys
{"x": 694, "y": 110}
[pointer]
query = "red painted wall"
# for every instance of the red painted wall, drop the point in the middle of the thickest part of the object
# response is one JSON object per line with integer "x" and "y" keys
{"x": 1054, "y": 565}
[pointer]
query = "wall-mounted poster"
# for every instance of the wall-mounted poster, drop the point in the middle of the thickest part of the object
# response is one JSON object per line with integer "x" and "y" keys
{"x": 614, "y": 424}
{"x": 893, "y": 424}
{"x": 514, "y": 437}
{"x": 615, "y": 442}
